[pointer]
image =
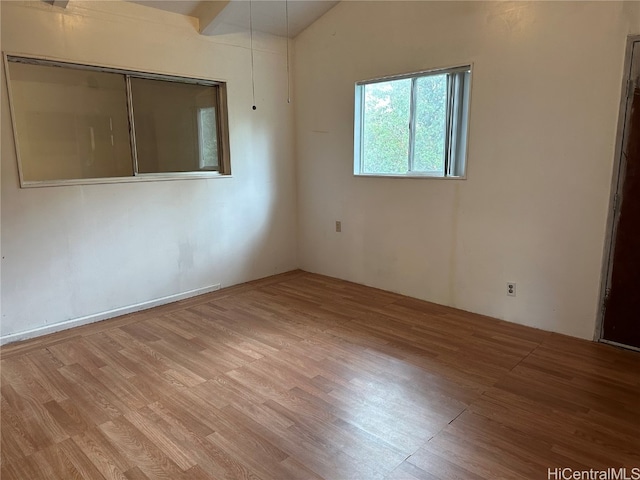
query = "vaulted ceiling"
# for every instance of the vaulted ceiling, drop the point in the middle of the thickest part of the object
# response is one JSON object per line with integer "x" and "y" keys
{"x": 218, "y": 17}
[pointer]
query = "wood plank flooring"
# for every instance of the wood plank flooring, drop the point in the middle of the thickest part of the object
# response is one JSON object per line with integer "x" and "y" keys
{"x": 301, "y": 376}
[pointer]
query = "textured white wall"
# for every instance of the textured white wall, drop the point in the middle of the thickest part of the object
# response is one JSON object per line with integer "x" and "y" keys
{"x": 544, "y": 109}
{"x": 78, "y": 251}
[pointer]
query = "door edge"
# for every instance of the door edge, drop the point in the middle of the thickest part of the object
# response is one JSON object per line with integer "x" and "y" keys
{"x": 616, "y": 178}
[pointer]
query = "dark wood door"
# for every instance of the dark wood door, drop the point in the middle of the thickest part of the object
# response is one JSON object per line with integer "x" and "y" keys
{"x": 622, "y": 308}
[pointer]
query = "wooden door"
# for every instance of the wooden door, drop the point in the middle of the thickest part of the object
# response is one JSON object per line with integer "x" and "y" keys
{"x": 622, "y": 302}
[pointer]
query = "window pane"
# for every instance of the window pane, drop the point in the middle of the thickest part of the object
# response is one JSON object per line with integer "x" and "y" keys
{"x": 175, "y": 126}
{"x": 385, "y": 139}
{"x": 70, "y": 124}
{"x": 430, "y": 126}
{"x": 208, "y": 143}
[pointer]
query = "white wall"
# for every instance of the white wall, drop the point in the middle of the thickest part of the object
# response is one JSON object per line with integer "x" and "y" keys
{"x": 74, "y": 252}
{"x": 545, "y": 98}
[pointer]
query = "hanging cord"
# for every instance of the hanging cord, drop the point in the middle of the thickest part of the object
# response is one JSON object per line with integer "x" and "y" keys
{"x": 253, "y": 83}
{"x": 286, "y": 13}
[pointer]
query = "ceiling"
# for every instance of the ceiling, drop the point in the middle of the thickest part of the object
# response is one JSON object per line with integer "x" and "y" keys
{"x": 218, "y": 17}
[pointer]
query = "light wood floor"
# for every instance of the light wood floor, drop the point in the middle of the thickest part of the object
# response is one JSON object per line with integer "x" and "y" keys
{"x": 301, "y": 376}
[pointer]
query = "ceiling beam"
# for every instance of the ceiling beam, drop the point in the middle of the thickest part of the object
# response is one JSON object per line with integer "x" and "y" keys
{"x": 208, "y": 15}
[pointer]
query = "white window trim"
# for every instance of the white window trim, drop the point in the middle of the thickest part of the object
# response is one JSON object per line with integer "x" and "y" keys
{"x": 359, "y": 124}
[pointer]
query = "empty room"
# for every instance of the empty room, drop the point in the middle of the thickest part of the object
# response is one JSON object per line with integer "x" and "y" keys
{"x": 312, "y": 239}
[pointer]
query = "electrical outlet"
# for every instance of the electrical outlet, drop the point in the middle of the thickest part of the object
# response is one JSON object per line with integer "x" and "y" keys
{"x": 511, "y": 289}
{"x": 338, "y": 226}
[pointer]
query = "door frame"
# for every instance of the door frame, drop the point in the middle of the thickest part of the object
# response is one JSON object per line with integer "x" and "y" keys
{"x": 615, "y": 198}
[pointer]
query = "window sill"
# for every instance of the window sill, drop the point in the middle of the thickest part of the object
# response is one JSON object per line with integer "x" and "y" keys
{"x": 407, "y": 175}
{"x": 142, "y": 177}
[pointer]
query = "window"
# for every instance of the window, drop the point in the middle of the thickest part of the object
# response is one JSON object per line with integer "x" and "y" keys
{"x": 207, "y": 144}
{"x": 413, "y": 125}
{"x": 80, "y": 124}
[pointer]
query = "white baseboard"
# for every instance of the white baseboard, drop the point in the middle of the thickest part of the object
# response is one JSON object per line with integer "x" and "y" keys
{"x": 96, "y": 317}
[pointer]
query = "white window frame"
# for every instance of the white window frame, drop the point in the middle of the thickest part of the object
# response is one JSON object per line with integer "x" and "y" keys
{"x": 457, "y": 124}
{"x": 224, "y": 163}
